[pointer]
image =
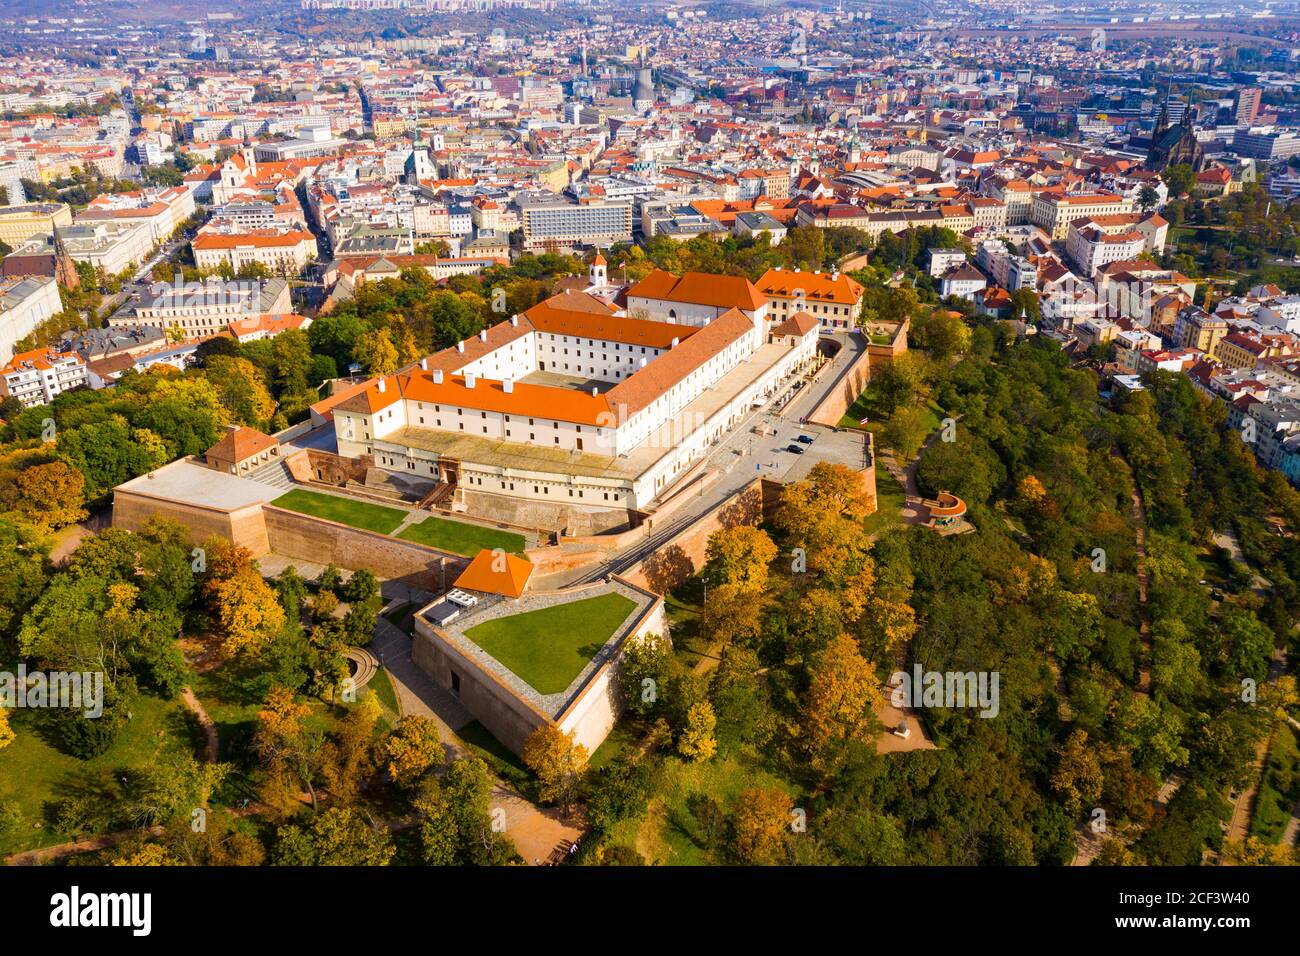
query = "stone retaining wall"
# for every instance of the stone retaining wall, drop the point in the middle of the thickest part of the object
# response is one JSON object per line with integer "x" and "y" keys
{"x": 321, "y": 541}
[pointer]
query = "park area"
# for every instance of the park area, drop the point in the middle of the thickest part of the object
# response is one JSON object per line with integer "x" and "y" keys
{"x": 48, "y": 796}
{"x": 549, "y": 647}
{"x": 462, "y": 538}
{"x": 357, "y": 514}
{"x": 457, "y": 537}
{"x": 869, "y": 406}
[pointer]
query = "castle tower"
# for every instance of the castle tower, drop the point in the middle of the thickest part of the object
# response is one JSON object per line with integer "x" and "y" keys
{"x": 598, "y": 274}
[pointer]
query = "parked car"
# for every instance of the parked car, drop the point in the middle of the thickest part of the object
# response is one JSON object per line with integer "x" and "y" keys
{"x": 805, "y": 439}
{"x": 795, "y": 449}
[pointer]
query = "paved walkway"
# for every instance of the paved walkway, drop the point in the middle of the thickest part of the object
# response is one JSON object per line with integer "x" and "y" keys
{"x": 535, "y": 831}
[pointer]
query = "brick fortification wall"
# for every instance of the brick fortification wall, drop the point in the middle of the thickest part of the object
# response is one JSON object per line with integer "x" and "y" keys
{"x": 328, "y": 542}
{"x": 327, "y": 468}
{"x": 682, "y": 556}
{"x": 544, "y": 515}
{"x": 846, "y": 391}
{"x": 494, "y": 705}
{"x": 882, "y": 354}
{"x": 244, "y": 526}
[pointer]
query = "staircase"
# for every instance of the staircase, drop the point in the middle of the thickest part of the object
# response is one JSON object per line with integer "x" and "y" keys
{"x": 436, "y": 497}
{"x": 274, "y": 473}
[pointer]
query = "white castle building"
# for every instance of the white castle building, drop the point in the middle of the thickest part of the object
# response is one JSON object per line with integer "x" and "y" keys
{"x": 576, "y": 412}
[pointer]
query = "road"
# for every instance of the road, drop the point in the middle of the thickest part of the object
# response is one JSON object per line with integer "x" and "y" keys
{"x": 740, "y": 457}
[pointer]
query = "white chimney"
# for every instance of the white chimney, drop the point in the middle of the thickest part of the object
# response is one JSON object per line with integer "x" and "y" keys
{"x": 482, "y": 336}
{"x": 594, "y": 391}
{"x": 437, "y": 376}
{"x": 507, "y": 385}
{"x": 796, "y": 268}
{"x": 460, "y": 346}
{"x": 675, "y": 341}
{"x": 383, "y": 386}
{"x": 469, "y": 379}
{"x": 514, "y": 320}
{"x": 424, "y": 365}
{"x": 643, "y": 363}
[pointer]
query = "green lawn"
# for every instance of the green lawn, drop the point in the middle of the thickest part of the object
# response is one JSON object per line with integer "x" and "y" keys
{"x": 358, "y": 514}
{"x": 505, "y": 764}
{"x": 462, "y": 538}
{"x": 622, "y": 739}
{"x": 1279, "y": 788}
{"x": 35, "y": 775}
{"x": 867, "y": 405}
{"x": 890, "y": 499}
{"x": 548, "y": 648}
{"x": 670, "y": 832}
{"x": 382, "y": 687}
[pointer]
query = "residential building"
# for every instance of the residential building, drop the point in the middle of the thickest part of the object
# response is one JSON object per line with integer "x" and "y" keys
{"x": 37, "y": 377}
{"x": 24, "y": 304}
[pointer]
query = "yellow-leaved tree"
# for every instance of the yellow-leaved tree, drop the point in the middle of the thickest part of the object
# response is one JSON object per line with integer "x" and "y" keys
{"x": 412, "y": 750}
{"x": 559, "y": 762}
{"x": 841, "y": 700}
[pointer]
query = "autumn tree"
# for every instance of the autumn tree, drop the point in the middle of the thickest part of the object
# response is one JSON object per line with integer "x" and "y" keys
{"x": 905, "y": 431}
{"x": 887, "y": 624}
{"x": 823, "y": 515}
{"x": 171, "y": 786}
{"x": 643, "y": 673}
{"x": 376, "y": 351}
{"x": 900, "y": 381}
{"x": 732, "y": 613}
{"x": 288, "y": 750}
{"x": 456, "y": 822}
{"x": 740, "y": 556}
{"x": 7, "y": 734}
{"x": 759, "y": 827}
{"x": 51, "y": 495}
{"x": 149, "y": 854}
{"x": 241, "y": 390}
{"x": 412, "y": 749}
{"x": 340, "y": 836}
{"x": 347, "y": 760}
{"x": 246, "y": 611}
{"x": 1077, "y": 778}
{"x": 841, "y": 700}
{"x": 697, "y": 742}
{"x": 559, "y": 763}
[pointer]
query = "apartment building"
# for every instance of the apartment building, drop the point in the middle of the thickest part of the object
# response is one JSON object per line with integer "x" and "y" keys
{"x": 37, "y": 377}
{"x": 198, "y": 309}
{"x": 553, "y": 222}
{"x": 24, "y": 304}
{"x": 160, "y": 210}
{"x": 112, "y": 246}
{"x": 1015, "y": 194}
{"x": 1267, "y": 143}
